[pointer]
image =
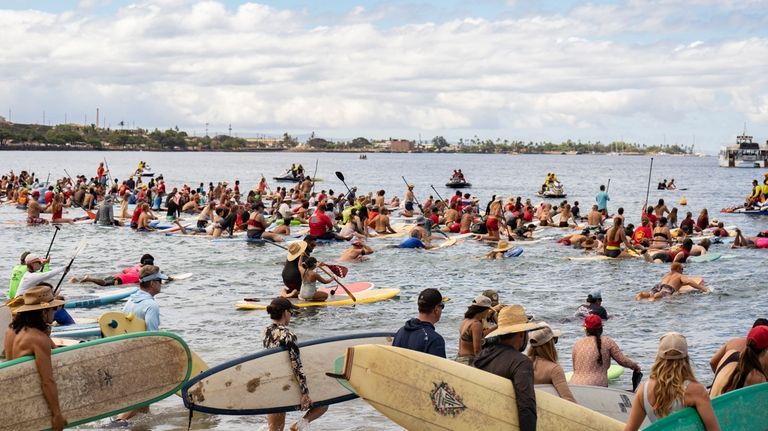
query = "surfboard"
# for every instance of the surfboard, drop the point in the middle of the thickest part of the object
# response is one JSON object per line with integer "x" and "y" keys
{"x": 182, "y": 276}
{"x": 114, "y": 323}
{"x": 685, "y": 288}
{"x": 97, "y": 299}
{"x": 96, "y": 379}
{"x": 707, "y": 257}
{"x": 5, "y": 319}
{"x": 737, "y": 410}
{"x": 264, "y": 383}
{"x": 614, "y": 372}
{"x": 358, "y": 286}
{"x": 424, "y": 392}
{"x": 611, "y": 402}
{"x": 77, "y": 331}
{"x": 365, "y": 297}
{"x": 515, "y": 252}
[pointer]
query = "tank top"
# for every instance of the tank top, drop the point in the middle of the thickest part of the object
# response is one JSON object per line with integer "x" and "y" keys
{"x": 676, "y": 405}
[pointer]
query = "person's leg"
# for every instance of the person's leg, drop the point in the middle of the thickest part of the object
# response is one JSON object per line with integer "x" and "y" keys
{"x": 311, "y": 415}
{"x": 320, "y": 296}
{"x": 276, "y": 421}
{"x": 63, "y": 318}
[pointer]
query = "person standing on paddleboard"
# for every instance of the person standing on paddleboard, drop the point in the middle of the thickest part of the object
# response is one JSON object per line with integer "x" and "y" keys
{"x": 278, "y": 335}
{"x": 29, "y": 334}
{"x": 602, "y": 199}
{"x": 502, "y": 355}
{"x": 671, "y": 387}
{"x": 419, "y": 333}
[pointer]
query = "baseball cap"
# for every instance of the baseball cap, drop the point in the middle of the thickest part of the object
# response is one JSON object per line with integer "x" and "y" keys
{"x": 32, "y": 258}
{"x": 482, "y": 301}
{"x": 541, "y": 336}
{"x": 492, "y": 295}
{"x": 594, "y": 295}
{"x": 593, "y": 321}
{"x": 758, "y": 337}
{"x": 147, "y": 259}
{"x": 673, "y": 345}
{"x": 280, "y": 304}
{"x": 430, "y": 297}
{"x": 420, "y": 220}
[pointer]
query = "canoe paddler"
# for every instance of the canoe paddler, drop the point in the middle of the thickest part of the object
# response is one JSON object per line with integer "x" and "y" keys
{"x": 29, "y": 334}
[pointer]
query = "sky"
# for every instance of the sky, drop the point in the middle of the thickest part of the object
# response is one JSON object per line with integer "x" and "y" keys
{"x": 645, "y": 71}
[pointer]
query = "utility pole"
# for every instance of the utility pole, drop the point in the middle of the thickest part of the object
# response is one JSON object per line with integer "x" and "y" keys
{"x": 43, "y": 118}
{"x": 206, "y": 130}
{"x": 230, "y": 129}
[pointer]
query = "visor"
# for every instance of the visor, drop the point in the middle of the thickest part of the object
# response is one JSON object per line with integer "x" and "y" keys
{"x": 155, "y": 276}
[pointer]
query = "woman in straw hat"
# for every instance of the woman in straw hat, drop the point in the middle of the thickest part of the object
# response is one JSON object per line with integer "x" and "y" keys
{"x": 592, "y": 355}
{"x": 502, "y": 355}
{"x": 671, "y": 387}
{"x": 498, "y": 252}
{"x": 471, "y": 329}
{"x": 28, "y": 334}
{"x": 546, "y": 370}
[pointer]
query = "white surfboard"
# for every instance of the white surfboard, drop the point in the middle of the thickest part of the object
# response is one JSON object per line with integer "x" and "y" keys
{"x": 264, "y": 383}
{"x": 613, "y": 403}
{"x": 5, "y": 319}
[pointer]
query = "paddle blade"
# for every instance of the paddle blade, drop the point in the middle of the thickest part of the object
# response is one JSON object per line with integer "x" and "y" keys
{"x": 338, "y": 270}
{"x": 340, "y": 176}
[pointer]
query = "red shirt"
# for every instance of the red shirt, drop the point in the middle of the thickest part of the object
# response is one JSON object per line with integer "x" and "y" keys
{"x": 319, "y": 224}
{"x": 136, "y": 214}
{"x": 651, "y": 218}
{"x": 48, "y": 197}
{"x": 457, "y": 200}
{"x": 100, "y": 171}
{"x": 435, "y": 219}
{"x": 641, "y": 233}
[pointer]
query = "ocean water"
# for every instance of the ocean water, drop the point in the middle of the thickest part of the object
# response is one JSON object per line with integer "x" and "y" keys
{"x": 202, "y": 311}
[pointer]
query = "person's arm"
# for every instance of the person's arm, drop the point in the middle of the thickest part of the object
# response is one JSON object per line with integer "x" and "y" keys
{"x": 368, "y": 249}
{"x": 321, "y": 279}
{"x": 477, "y": 336}
{"x": 619, "y": 356}
{"x": 42, "y": 352}
{"x": 637, "y": 414}
{"x": 33, "y": 278}
{"x": 436, "y": 346}
{"x": 522, "y": 379}
{"x": 152, "y": 318}
{"x": 692, "y": 282}
{"x": 561, "y": 385}
{"x": 697, "y": 394}
{"x": 717, "y": 357}
{"x": 289, "y": 342}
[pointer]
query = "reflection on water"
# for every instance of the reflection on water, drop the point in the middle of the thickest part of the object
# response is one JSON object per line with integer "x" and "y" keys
{"x": 202, "y": 311}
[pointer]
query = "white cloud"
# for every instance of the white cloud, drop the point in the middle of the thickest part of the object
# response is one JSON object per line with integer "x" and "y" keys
{"x": 583, "y": 72}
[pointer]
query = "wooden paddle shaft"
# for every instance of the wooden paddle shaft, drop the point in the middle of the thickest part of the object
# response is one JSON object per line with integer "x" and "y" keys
{"x": 325, "y": 270}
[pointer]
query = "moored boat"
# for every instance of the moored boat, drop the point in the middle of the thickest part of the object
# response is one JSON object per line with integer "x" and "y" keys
{"x": 744, "y": 154}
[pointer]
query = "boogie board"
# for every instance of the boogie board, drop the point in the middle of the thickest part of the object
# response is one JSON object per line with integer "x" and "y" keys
{"x": 614, "y": 372}
{"x": 97, "y": 299}
{"x": 95, "y": 380}
{"x": 424, "y": 392}
{"x": 515, "y": 252}
{"x": 742, "y": 409}
{"x": 264, "y": 383}
{"x": 114, "y": 323}
{"x": 365, "y": 297}
{"x": 611, "y": 402}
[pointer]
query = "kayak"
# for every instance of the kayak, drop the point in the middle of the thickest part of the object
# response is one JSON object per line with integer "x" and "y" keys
{"x": 365, "y": 297}
{"x": 95, "y": 300}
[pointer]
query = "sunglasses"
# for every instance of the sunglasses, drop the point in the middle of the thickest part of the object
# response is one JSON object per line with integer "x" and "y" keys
{"x": 441, "y": 305}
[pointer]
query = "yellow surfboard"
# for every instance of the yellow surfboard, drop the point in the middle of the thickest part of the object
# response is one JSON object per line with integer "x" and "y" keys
{"x": 424, "y": 392}
{"x": 364, "y": 297}
{"x": 114, "y": 323}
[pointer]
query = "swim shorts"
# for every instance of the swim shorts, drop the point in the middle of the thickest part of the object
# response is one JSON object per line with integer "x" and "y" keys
{"x": 664, "y": 289}
{"x": 36, "y": 220}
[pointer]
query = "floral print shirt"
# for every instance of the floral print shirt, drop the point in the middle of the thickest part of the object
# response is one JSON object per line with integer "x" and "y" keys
{"x": 276, "y": 335}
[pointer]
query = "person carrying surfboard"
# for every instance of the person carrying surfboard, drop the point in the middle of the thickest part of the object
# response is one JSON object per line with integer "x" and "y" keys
{"x": 278, "y": 335}
{"x": 502, "y": 355}
{"x": 671, "y": 387}
{"x": 29, "y": 334}
{"x": 419, "y": 333}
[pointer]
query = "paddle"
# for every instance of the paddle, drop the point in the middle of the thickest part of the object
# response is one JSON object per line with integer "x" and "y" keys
{"x": 608, "y": 186}
{"x": 437, "y": 193}
{"x": 109, "y": 174}
{"x": 340, "y": 176}
{"x": 91, "y": 215}
{"x": 648, "y": 190}
{"x": 314, "y": 177}
{"x": 48, "y": 253}
{"x": 79, "y": 248}
{"x": 267, "y": 184}
{"x": 339, "y": 283}
{"x": 339, "y": 270}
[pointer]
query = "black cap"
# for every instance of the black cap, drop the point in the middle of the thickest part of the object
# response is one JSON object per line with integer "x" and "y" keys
{"x": 147, "y": 259}
{"x": 280, "y": 304}
{"x": 430, "y": 297}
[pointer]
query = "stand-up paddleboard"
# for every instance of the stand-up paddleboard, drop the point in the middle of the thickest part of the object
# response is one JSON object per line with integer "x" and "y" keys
{"x": 95, "y": 379}
{"x": 97, "y": 299}
{"x": 114, "y": 323}
{"x": 365, "y": 297}
{"x": 686, "y": 288}
{"x": 707, "y": 257}
{"x": 264, "y": 383}
{"x": 424, "y": 392}
{"x": 614, "y": 372}
{"x": 742, "y": 409}
{"x": 358, "y": 286}
{"x": 613, "y": 403}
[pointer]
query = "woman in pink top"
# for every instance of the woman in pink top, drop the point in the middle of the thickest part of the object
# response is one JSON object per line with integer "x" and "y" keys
{"x": 591, "y": 367}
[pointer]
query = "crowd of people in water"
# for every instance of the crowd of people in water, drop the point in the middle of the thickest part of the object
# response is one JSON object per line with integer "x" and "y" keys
{"x": 492, "y": 336}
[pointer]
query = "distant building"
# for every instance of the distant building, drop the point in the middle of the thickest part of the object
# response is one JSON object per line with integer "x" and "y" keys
{"x": 400, "y": 145}
{"x": 3, "y": 120}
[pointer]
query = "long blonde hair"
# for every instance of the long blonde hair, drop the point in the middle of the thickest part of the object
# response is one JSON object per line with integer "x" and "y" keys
{"x": 546, "y": 351}
{"x": 670, "y": 376}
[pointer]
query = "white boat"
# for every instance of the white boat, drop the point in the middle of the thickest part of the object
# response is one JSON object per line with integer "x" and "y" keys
{"x": 744, "y": 154}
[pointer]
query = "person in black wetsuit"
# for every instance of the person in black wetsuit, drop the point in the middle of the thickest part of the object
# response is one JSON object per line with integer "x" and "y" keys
{"x": 297, "y": 252}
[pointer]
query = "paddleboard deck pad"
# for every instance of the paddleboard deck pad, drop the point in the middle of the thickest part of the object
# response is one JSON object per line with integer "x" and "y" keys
{"x": 365, "y": 297}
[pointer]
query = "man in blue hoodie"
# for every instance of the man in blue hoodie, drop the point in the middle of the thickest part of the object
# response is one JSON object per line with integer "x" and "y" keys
{"x": 419, "y": 333}
{"x": 142, "y": 303}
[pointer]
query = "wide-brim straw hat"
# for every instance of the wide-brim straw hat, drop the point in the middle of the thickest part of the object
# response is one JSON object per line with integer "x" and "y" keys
{"x": 512, "y": 319}
{"x": 38, "y": 298}
{"x": 503, "y": 246}
{"x": 296, "y": 249}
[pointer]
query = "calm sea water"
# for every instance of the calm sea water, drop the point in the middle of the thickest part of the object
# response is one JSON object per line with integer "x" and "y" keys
{"x": 201, "y": 309}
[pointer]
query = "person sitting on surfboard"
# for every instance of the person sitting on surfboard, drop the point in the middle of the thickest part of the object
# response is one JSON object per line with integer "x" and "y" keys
{"x": 419, "y": 333}
{"x": 309, "y": 279}
{"x": 502, "y": 355}
{"x": 278, "y": 335}
{"x": 29, "y": 334}
{"x": 671, "y": 387}
{"x": 297, "y": 252}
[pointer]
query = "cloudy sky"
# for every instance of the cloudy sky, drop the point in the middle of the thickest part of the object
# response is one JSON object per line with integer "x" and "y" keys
{"x": 647, "y": 71}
